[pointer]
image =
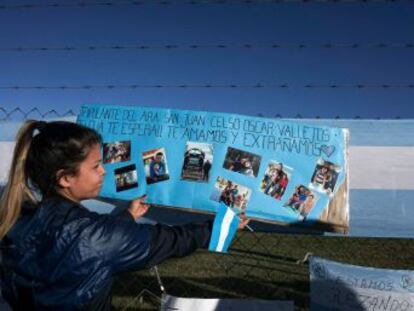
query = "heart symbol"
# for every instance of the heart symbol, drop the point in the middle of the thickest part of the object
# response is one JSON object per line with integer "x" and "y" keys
{"x": 328, "y": 150}
{"x": 407, "y": 282}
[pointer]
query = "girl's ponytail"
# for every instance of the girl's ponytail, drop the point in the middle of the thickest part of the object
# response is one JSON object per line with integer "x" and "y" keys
{"x": 17, "y": 188}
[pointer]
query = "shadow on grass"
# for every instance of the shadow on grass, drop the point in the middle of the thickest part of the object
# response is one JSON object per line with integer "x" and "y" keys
{"x": 263, "y": 254}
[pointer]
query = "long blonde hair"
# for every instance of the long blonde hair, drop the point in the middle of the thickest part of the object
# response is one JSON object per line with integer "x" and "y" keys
{"x": 16, "y": 190}
{"x": 58, "y": 146}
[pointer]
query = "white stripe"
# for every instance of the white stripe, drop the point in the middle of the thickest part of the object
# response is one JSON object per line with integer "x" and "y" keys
{"x": 6, "y": 152}
{"x": 224, "y": 229}
{"x": 385, "y": 168}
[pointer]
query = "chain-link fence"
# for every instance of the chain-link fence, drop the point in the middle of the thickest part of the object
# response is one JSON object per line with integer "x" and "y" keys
{"x": 260, "y": 265}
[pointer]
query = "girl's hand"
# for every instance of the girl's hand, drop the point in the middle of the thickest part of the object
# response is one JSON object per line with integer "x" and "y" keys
{"x": 243, "y": 221}
{"x": 138, "y": 207}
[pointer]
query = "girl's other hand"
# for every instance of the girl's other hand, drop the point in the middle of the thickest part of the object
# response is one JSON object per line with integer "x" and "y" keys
{"x": 138, "y": 207}
{"x": 243, "y": 221}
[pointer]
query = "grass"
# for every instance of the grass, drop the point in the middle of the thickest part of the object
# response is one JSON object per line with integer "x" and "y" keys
{"x": 258, "y": 265}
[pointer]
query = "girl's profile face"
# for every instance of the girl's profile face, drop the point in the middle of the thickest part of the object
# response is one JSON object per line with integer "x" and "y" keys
{"x": 88, "y": 181}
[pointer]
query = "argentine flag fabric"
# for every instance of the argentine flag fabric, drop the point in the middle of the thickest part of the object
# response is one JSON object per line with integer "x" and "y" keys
{"x": 224, "y": 228}
{"x": 381, "y": 174}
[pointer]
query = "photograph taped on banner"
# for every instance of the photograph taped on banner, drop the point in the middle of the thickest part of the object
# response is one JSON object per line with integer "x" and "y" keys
{"x": 231, "y": 194}
{"x": 242, "y": 162}
{"x": 118, "y": 151}
{"x": 276, "y": 179}
{"x": 197, "y": 163}
{"x": 325, "y": 176}
{"x": 126, "y": 178}
{"x": 155, "y": 164}
{"x": 301, "y": 202}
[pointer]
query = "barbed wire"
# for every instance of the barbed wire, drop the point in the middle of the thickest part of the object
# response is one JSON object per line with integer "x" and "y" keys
{"x": 7, "y": 115}
{"x": 170, "y": 47}
{"x": 208, "y": 85}
{"x": 83, "y": 4}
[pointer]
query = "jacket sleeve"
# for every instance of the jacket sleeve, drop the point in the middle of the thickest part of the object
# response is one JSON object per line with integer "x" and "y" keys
{"x": 177, "y": 241}
{"x": 119, "y": 242}
{"x": 126, "y": 246}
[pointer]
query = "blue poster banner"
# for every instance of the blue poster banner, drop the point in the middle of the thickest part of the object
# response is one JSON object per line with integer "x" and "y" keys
{"x": 337, "y": 286}
{"x": 277, "y": 171}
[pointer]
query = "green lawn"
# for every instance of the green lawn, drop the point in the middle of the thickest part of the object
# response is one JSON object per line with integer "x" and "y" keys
{"x": 258, "y": 265}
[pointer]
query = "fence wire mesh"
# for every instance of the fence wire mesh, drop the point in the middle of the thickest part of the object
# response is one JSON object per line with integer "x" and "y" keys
{"x": 259, "y": 266}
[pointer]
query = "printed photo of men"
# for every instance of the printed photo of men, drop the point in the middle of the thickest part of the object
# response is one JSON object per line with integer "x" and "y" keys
{"x": 155, "y": 164}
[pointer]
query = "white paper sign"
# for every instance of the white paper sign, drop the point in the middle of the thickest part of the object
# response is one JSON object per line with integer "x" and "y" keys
{"x": 190, "y": 304}
{"x": 336, "y": 286}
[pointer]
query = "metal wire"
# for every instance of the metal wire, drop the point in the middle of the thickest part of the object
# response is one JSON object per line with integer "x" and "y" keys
{"x": 32, "y": 113}
{"x": 166, "y": 3}
{"x": 209, "y": 85}
{"x": 173, "y": 47}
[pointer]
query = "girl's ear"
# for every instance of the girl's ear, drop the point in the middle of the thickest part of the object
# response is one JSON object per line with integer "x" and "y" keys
{"x": 63, "y": 180}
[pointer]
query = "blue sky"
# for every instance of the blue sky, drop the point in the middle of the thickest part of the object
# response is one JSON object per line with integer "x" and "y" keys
{"x": 232, "y": 23}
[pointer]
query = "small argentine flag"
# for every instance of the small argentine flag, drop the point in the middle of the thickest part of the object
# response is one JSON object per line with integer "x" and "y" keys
{"x": 224, "y": 228}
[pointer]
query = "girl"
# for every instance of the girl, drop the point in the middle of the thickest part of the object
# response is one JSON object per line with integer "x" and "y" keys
{"x": 57, "y": 255}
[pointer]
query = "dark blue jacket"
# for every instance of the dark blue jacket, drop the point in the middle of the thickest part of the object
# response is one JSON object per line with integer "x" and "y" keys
{"x": 61, "y": 256}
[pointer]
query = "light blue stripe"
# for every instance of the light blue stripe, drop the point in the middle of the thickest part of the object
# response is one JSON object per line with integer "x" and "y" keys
{"x": 218, "y": 220}
{"x": 382, "y": 213}
{"x": 372, "y": 132}
{"x": 373, "y": 213}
